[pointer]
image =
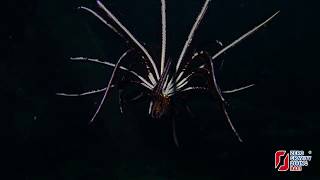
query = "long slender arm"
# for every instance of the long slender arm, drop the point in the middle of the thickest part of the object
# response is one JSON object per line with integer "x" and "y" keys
{"x": 92, "y": 91}
{"x": 84, "y": 59}
{"x": 164, "y": 34}
{"x": 83, "y": 93}
{"x": 223, "y": 106}
{"x": 109, "y": 85}
{"x": 243, "y": 36}
{"x": 129, "y": 34}
{"x": 103, "y": 20}
{"x": 237, "y": 89}
{"x": 195, "y": 89}
{"x": 191, "y": 34}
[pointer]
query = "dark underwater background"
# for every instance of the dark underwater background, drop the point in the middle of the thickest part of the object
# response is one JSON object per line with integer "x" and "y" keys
{"x": 47, "y": 136}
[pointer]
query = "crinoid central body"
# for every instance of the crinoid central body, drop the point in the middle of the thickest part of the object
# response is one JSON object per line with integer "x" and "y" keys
{"x": 159, "y": 106}
{"x": 162, "y": 80}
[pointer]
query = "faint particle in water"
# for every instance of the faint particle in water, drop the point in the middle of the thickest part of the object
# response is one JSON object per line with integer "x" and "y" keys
{"x": 219, "y": 42}
{"x": 164, "y": 82}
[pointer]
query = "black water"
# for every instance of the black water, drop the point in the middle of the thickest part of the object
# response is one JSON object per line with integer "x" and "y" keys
{"x": 48, "y": 136}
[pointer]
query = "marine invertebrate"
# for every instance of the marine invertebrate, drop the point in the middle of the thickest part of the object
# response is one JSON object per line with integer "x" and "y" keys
{"x": 164, "y": 79}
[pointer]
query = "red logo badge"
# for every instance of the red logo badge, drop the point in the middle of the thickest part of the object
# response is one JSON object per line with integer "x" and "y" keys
{"x": 278, "y": 156}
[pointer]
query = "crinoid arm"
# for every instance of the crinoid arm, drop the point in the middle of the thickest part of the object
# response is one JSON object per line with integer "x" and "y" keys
{"x": 164, "y": 35}
{"x": 203, "y": 89}
{"x": 85, "y": 59}
{"x": 83, "y": 93}
{"x": 109, "y": 84}
{"x": 103, "y": 20}
{"x": 222, "y": 101}
{"x": 237, "y": 89}
{"x": 143, "y": 82}
{"x": 188, "y": 42}
{"x": 192, "y": 32}
{"x": 244, "y": 36}
{"x": 123, "y": 32}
